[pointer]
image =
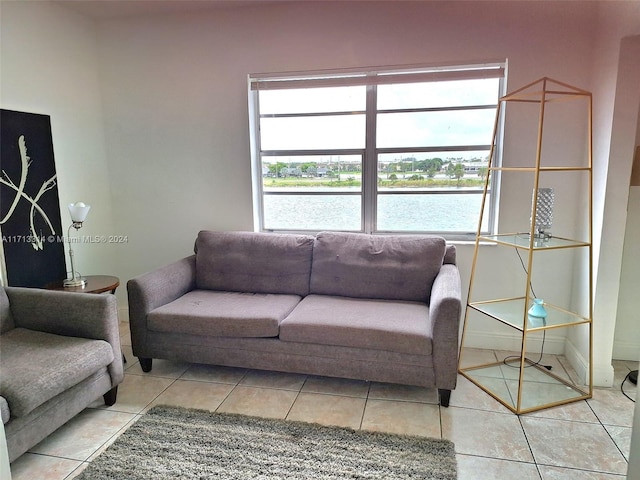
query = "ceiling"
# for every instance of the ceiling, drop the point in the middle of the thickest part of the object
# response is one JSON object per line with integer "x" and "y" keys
{"x": 109, "y": 9}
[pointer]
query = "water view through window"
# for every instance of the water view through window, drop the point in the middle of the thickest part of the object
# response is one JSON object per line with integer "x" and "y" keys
{"x": 452, "y": 213}
{"x": 378, "y": 154}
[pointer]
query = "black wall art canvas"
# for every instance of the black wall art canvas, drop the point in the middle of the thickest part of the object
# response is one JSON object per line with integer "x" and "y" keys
{"x": 32, "y": 239}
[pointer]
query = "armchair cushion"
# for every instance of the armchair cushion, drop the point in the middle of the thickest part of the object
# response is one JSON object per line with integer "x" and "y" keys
{"x": 55, "y": 364}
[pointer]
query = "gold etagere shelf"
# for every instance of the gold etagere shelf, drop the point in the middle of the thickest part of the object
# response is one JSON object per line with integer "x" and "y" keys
{"x": 518, "y": 382}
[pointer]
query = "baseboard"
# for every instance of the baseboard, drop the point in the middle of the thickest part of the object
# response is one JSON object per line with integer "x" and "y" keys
{"x": 602, "y": 376}
{"x": 495, "y": 341}
{"x": 626, "y": 351}
{"x": 577, "y": 361}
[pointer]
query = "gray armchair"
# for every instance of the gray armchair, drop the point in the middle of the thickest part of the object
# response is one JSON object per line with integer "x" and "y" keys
{"x": 59, "y": 352}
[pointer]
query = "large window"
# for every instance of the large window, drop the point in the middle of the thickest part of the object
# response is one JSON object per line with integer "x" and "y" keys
{"x": 401, "y": 150}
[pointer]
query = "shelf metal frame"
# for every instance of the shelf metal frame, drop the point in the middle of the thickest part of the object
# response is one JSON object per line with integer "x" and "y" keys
{"x": 504, "y": 310}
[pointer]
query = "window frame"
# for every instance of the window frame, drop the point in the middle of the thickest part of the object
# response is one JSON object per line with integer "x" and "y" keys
{"x": 369, "y": 192}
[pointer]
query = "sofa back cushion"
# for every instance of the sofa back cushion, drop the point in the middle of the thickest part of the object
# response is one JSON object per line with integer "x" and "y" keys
{"x": 6, "y": 320}
{"x": 253, "y": 262}
{"x": 390, "y": 267}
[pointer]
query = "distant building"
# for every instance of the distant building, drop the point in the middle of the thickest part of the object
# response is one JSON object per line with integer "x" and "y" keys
{"x": 290, "y": 172}
{"x": 474, "y": 167}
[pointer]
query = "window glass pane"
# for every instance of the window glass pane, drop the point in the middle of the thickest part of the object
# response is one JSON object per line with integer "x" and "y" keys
{"x": 432, "y": 170}
{"x": 439, "y": 94}
{"x": 312, "y": 133}
{"x": 312, "y": 173}
{"x": 454, "y": 213}
{"x": 429, "y": 129}
{"x": 313, "y": 100}
{"x": 312, "y": 212}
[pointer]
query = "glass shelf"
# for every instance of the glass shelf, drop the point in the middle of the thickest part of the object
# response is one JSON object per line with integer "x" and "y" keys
{"x": 512, "y": 312}
{"x": 522, "y": 240}
{"x": 540, "y": 387}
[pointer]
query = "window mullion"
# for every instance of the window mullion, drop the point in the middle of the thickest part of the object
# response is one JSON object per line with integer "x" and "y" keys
{"x": 370, "y": 164}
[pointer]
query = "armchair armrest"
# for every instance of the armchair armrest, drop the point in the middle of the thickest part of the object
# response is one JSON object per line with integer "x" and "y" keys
{"x": 83, "y": 315}
{"x": 444, "y": 312}
{"x": 154, "y": 289}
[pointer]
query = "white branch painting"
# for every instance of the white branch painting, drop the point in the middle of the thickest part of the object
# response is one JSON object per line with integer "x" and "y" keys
{"x": 38, "y": 237}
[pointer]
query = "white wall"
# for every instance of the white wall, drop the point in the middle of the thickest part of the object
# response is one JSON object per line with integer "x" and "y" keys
{"x": 633, "y": 471}
{"x": 627, "y": 333}
{"x": 50, "y": 66}
{"x": 615, "y": 125}
{"x": 174, "y": 101}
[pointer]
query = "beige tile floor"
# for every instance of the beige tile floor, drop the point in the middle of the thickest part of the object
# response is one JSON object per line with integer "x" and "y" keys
{"x": 584, "y": 440}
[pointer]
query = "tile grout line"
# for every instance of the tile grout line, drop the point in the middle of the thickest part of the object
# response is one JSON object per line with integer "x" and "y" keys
{"x": 244, "y": 375}
{"x": 286, "y": 416}
{"x": 366, "y": 402}
{"x": 526, "y": 437}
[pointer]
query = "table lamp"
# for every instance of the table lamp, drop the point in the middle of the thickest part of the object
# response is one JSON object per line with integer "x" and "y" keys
{"x": 78, "y": 213}
{"x": 544, "y": 213}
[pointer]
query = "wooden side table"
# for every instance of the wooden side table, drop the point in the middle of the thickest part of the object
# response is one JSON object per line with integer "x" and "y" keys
{"x": 95, "y": 284}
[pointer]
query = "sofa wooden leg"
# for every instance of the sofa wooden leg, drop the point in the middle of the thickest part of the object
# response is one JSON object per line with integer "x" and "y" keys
{"x": 445, "y": 395}
{"x": 145, "y": 364}
{"x": 110, "y": 396}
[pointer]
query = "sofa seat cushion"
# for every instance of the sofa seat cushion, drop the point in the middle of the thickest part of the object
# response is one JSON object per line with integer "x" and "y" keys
{"x": 398, "y": 326}
{"x": 37, "y": 366}
{"x": 223, "y": 314}
{"x": 390, "y": 267}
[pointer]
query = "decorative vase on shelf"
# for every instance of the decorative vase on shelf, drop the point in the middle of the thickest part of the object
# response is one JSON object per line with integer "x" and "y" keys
{"x": 537, "y": 309}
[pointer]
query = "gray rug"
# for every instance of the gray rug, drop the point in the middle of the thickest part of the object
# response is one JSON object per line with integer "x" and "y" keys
{"x": 177, "y": 443}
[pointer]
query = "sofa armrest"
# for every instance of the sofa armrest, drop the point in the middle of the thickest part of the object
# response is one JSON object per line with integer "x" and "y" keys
{"x": 444, "y": 312}
{"x": 154, "y": 289}
{"x": 83, "y": 315}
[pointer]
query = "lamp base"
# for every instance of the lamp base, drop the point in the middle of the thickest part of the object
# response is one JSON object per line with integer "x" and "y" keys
{"x": 74, "y": 282}
{"x": 633, "y": 377}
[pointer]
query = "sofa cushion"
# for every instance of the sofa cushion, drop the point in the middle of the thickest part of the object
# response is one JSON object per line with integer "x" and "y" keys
{"x": 253, "y": 262}
{"x": 223, "y": 314}
{"x": 37, "y": 366}
{"x": 376, "y": 266}
{"x": 398, "y": 326}
{"x": 6, "y": 320}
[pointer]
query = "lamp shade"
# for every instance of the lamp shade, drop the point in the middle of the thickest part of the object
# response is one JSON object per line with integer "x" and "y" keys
{"x": 79, "y": 211}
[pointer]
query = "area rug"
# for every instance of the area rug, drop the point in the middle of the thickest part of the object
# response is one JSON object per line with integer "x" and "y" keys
{"x": 178, "y": 443}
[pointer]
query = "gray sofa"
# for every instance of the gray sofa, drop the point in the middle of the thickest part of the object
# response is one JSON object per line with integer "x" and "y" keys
{"x": 59, "y": 353}
{"x": 377, "y": 308}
